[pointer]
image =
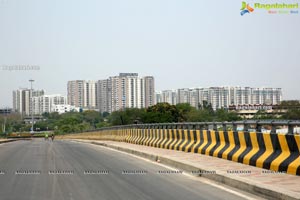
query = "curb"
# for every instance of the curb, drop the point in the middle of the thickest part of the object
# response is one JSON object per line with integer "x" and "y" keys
{"x": 238, "y": 184}
{"x": 6, "y": 141}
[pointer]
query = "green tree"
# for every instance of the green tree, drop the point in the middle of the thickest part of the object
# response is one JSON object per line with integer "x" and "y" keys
{"x": 261, "y": 114}
{"x": 42, "y": 126}
{"x": 105, "y": 114}
{"x": 200, "y": 116}
{"x": 9, "y": 121}
{"x": 183, "y": 110}
{"x": 292, "y": 114}
{"x": 207, "y": 106}
{"x": 83, "y": 127}
{"x": 118, "y": 118}
{"x": 102, "y": 124}
{"x": 126, "y": 116}
{"x": 161, "y": 113}
{"x": 292, "y": 109}
{"x": 92, "y": 117}
{"x": 225, "y": 115}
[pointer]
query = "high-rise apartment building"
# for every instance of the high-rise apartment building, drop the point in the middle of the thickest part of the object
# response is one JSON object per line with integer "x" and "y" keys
{"x": 90, "y": 95}
{"x": 223, "y": 97}
{"x": 76, "y": 93}
{"x": 183, "y": 95}
{"x": 82, "y": 94}
{"x": 127, "y": 90}
{"x": 218, "y": 97}
{"x": 131, "y": 90}
{"x": 104, "y": 95}
{"x": 46, "y": 103}
{"x": 118, "y": 94}
{"x": 168, "y": 96}
{"x": 22, "y": 100}
{"x": 149, "y": 91}
{"x": 194, "y": 97}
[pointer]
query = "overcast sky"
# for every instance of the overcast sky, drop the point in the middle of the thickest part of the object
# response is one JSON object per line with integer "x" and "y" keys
{"x": 182, "y": 43}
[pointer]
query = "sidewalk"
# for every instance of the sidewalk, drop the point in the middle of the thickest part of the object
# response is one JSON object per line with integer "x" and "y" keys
{"x": 248, "y": 178}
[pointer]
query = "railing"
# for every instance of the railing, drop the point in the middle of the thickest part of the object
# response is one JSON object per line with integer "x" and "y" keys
{"x": 254, "y": 125}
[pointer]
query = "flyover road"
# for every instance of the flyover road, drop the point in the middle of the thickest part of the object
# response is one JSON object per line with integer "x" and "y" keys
{"x": 39, "y": 169}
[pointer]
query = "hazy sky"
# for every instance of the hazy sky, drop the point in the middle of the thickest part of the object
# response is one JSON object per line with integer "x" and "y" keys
{"x": 182, "y": 43}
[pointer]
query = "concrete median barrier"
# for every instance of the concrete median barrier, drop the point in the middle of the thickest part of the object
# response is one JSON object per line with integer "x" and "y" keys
{"x": 277, "y": 152}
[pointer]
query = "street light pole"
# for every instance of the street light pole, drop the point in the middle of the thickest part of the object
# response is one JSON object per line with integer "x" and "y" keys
{"x": 6, "y": 112}
{"x": 5, "y": 119}
{"x": 31, "y": 93}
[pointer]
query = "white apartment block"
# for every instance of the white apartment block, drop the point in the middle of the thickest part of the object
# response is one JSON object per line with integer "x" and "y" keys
{"x": 194, "y": 97}
{"x": 90, "y": 95}
{"x": 46, "y": 103}
{"x": 118, "y": 99}
{"x": 168, "y": 96}
{"x": 127, "y": 90}
{"x": 218, "y": 97}
{"x": 22, "y": 100}
{"x": 223, "y": 97}
{"x": 64, "y": 108}
{"x": 131, "y": 91}
{"x": 183, "y": 95}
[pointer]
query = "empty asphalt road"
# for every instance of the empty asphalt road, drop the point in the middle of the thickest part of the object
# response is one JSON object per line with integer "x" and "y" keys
{"x": 39, "y": 169}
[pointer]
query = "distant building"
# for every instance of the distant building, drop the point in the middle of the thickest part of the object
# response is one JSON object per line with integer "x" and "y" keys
{"x": 82, "y": 94}
{"x": 76, "y": 93}
{"x": 104, "y": 95}
{"x": 194, "y": 97}
{"x": 90, "y": 95}
{"x": 127, "y": 90}
{"x": 248, "y": 111}
{"x": 6, "y": 111}
{"x": 222, "y": 97}
{"x": 45, "y": 103}
{"x": 183, "y": 95}
{"x": 22, "y": 100}
{"x": 149, "y": 91}
{"x": 64, "y": 108}
{"x": 168, "y": 96}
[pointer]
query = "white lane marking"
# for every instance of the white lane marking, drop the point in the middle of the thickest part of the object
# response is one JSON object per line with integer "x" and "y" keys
{"x": 203, "y": 180}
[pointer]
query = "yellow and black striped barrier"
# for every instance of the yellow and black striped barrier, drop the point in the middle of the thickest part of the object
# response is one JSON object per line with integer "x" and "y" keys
{"x": 272, "y": 151}
{"x": 277, "y": 152}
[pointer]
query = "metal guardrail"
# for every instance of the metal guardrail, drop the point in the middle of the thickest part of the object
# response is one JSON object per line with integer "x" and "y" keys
{"x": 256, "y": 125}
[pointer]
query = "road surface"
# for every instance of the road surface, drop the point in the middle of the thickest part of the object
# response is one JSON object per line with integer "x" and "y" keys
{"x": 39, "y": 169}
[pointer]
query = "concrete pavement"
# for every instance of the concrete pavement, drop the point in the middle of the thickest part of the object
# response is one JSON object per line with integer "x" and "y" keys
{"x": 38, "y": 169}
{"x": 248, "y": 178}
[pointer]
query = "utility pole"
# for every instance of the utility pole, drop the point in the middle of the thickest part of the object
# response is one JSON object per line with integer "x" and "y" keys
{"x": 4, "y": 112}
{"x": 31, "y": 102}
{"x": 5, "y": 119}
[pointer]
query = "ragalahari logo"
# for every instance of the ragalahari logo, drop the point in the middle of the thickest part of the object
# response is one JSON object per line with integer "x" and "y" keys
{"x": 246, "y": 8}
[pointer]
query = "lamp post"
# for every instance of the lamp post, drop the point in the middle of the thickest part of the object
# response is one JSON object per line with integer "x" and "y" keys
{"x": 4, "y": 112}
{"x": 31, "y": 93}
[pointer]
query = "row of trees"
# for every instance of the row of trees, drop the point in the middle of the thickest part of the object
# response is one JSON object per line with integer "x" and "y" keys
{"x": 164, "y": 113}
{"x": 293, "y": 109}
{"x": 87, "y": 120}
{"x": 159, "y": 113}
{"x": 65, "y": 123}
